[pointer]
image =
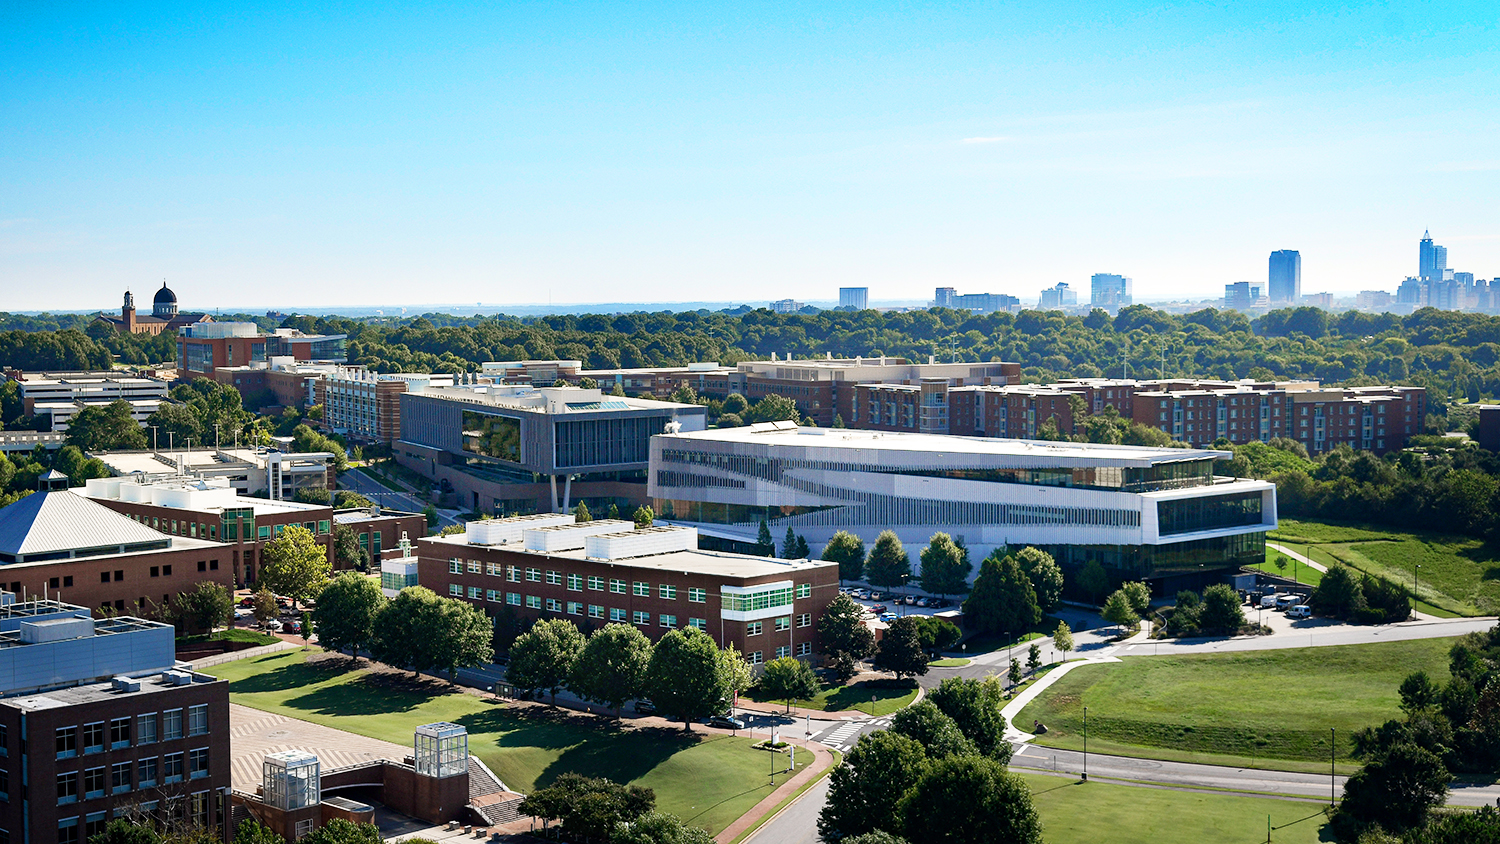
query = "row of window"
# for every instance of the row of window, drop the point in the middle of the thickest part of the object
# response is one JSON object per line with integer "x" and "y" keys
{"x": 92, "y": 783}
{"x": 577, "y": 582}
{"x": 757, "y": 657}
{"x": 195, "y": 808}
{"x": 149, "y": 728}
{"x": 202, "y": 530}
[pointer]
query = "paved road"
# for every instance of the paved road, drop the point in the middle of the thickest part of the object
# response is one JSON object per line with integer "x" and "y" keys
{"x": 797, "y": 823}
{"x": 357, "y": 481}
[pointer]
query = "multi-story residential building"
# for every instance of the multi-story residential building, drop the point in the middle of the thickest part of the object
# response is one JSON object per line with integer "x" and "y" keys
{"x": 1370, "y": 300}
{"x": 594, "y": 573}
{"x": 56, "y": 542}
{"x": 984, "y": 303}
{"x": 1111, "y": 292}
{"x": 1242, "y": 296}
{"x": 261, "y": 472}
{"x": 786, "y": 306}
{"x": 203, "y": 347}
{"x": 1055, "y": 298}
{"x": 518, "y": 449}
{"x": 287, "y": 381}
{"x": 1284, "y": 279}
{"x": 366, "y": 405}
{"x": 61, "y": 395}
{"x": 854, "y": 298}
{"x": 98, "y": 721}
{"x": 1323, "y": 301}
{"x": 1156, "y": 514}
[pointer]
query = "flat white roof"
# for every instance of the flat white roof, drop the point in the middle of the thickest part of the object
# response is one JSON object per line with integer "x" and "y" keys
{"x": 845, "y": 438}
{"x": 713, "y": 563}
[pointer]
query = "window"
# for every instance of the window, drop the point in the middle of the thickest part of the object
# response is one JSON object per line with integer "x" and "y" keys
{"x": 119, "y": 778}
{"x": 783, "y": 623}
{"x": 264, "y": 532}
{"x": 697, "y": 595}
{"x": 754, "y": 658}
{"x": 93, "y": 783}
{"x": 171, "y": 724}
{"x": 533, "y": 602}
{"x": 494, "y": 569}
{"x": 804, "y": 620}
{"x": 146, "y": 771}
{"x": 534, "y": 575}
{"x": 4, "y": 785}
{"x": 783, "y": 650}
{"x": 616, "y": 614}
{"x": 554, "y": 605}
{"x": 198, "y": 763}
{"x": 667, "y": 620}
{"x": 474, "y": 593}
{"x": 455, "y": 566}
{"x": 554, "y": 577}
{"x": 166, "y": 571}
{"x": 67, "y": 829}
{"x": 67, "y": 787}
{"x": 641, "y": 617}
{"x": 93, "y": 737}
{"x": 513, "y": 598}
{"x": 804, "y": 649}
{"x": 119, "y": 732}
{"x": 456, "y": 590}
{"x": 804, "y": 590}
{"x": 575, "y": 608}
{"x": 145, "y": 728}
{"x": 752, "y": 628}
{"x": 596, "y": 611}
{"x": 476, "y": 567}
{"x": 198, "y": 719}
{"x": 323, "y": 526}
{"x": 513, "y": 574}
{"x": 700, "y": 623}
{"x": 494, "y": 596}
{"x": 67, "y": 742}
{"x": 596, "y": 583}
{"x": 617, "y": 586}
{"x": 666, "y": 593}
{"x": 641, "y": 590}
{"x": 94, "y": 823}
{"x": 171, "y": 768}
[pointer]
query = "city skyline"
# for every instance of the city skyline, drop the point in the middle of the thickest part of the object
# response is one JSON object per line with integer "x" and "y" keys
{"x": 525, "y": 155}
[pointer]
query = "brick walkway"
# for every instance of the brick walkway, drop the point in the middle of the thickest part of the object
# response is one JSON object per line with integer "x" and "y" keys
{"x": 253, "y": 734}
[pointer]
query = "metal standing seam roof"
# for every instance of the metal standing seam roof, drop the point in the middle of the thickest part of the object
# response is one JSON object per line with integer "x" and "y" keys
{"x": 48, "y": 522}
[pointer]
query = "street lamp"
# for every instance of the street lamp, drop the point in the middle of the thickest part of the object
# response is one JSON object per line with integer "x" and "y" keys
{"x": 1085, "y": 744}
{"x": 1414, "y": 573}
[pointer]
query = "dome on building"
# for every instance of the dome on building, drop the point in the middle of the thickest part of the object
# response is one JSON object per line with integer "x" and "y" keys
{"x": 164, "y": 304}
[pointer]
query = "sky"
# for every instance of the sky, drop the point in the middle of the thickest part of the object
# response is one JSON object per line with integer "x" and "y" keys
{"x": 334, "y": 154}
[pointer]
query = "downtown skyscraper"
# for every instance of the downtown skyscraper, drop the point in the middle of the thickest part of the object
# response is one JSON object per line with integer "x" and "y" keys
{"x": 1285, "y": 281}
{"x": 1432, "y": 260}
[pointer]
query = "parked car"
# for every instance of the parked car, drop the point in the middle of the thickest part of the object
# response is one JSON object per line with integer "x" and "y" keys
{"x": 273, "y": 626}
{"x": 862, "y": 595}
{"x": 645, "y": 707}
{"x": 247, "y": 602}
{"x": 1299, "y": 611}
{"x": 887, "y": 617}
{"x": 877, "y": 596}
{"x": 879, "y": 608}
{"x": 921, "y": 602}
{"x": 293, "y": 627}
{"x": 726, "y": 722}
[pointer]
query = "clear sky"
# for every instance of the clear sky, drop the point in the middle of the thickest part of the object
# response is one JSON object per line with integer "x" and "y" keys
{"x": 323, "y": 154}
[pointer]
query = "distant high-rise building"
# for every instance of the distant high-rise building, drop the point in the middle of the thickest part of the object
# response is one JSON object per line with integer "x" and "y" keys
{"x": 1111, "y": 292}
{"x": 1241, "y": 295}
{"x": 1285, "y": 281}
{"x": 1058, "y": 297}
{"x": 1413, "y": 291}
{"x": 948, "y": 297}
{"x": 1372, "y": 299}
{"x": 1432, "y": 259}
{"x": 943, "y": 297}
{"x": 854, "y": 298}
{"x": 786, "y": 306}
{"x": 1319, "y": 300}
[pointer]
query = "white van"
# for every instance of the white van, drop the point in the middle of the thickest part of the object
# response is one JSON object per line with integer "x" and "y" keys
{"x": 1299, "y": 611}
{"x": 1286, "y": 602}
{"x": 1268, "y": 602}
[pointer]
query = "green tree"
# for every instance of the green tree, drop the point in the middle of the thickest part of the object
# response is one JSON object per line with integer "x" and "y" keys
{"x": 207, "y": 606}
{"x": 974, "y": 706}
{"x": 1033, "y": 657}
{"x": 120, "y": 831}
{"x": 1002, "y": 600}
{"x": 611, "y": 668}
{"x": 614, "y": 511}
{"x": 79, "y": 469}
{"x": 462, "y": 637}
{"x": 294, "y": 564}
{"x": 106, "y": 428}
{"x": 347, "y": 612}
{"x": 588, "y": 807}
{"x": 764, "y": 540}
{"x": 937, "y": 634}
{"x": 346, "y": 549}
{"x": 1418, "y": 693}
{"x": 340, "y": 831}
{"x": 658, "y": 828}
{"x": 1117, "y": 610}
{"x": 431, "y": 514}
{"x": 1138, "y": 595}
{"x": 178, "y": 420}
{"x": 248, "y": 832}
{"x": 773, "y": 408}
{"x": 788, "y": 678}
{"x": 789, "y": 545}
{"x": 1338, "y": 593}
{"x": 1281, "y": 563}
{"x": 1221, "y": 611}
{"x": 945, "y": 566}
{"x": 1045, "y": 576}
{"x": 581, "y": 513}
{"x": 1062, "y": 639}
{"x": 306, "y": 623}
{"x": 402, "y": 633}
{"x": 888, "y": 565}
{"x": 1092, "y": 581}
{"x": 735, "y": 403}
{"x": 848, "y": 551}
{"x": 643, "y": 517}
{"x": 264, "y": 607}
{"x": 1398, "y": 790}
{"x": 966, "y": 799}
{"x": 844, "y": 637}
{"x": 930, "y": 727}
{"x": 863, "y": 792}
{"x": 900, "y": 651}
{"x": 685, "y": 676}
{"x": 543, "y": 657}
{"x": 736, "y": 672}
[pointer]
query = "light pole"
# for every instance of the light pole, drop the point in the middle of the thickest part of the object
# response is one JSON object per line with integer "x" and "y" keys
{"x": 1085, "y": 744}
{"x": 1414, "y": 573}
{"x": 1332, "y": 740}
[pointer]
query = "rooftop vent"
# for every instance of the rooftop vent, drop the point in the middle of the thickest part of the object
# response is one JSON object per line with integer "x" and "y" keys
{"x": 572, "y": 536}
{"x": 503, "y": 531}
{"x": 56, "y": 630}
{"x": 177, "y": 678}
{"x": 125, "y": 684}
{"x": 641, "y": 543}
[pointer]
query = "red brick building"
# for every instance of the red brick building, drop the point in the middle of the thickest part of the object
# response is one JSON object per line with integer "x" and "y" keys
{"x": 600, "y": 572}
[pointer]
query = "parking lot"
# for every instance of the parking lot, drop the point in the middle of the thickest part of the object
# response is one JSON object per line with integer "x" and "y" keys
{"x": 889, "y": 605}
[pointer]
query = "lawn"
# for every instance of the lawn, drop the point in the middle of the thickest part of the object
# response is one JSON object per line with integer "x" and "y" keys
{"x": 1074, "y": 812}
{"x": 950, "y": 662}
{"x": 706, "y": 779}
{"x": 233, "y": 634}
{"x": 886, "y": 695}
{"x": 1459, "y": 575}
{"x": 1261, "y": 708}
{"x": 1295, "y": 570}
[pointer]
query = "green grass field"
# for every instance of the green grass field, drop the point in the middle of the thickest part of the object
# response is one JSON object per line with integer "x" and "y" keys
{"x": 706, "y": 779}
{"x": 1295, "y": 570}
{"x": 1260, "y": 708}
{"x": 1459, "y": 575}
{"x": 857, "y": 696}
{"x": 231, "y": 635}
{"x": 1097, "y": 811}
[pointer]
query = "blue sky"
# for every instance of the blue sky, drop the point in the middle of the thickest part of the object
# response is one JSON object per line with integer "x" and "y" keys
{"x": 521, "y": 152}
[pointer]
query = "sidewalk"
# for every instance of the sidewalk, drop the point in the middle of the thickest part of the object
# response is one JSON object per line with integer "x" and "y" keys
{"x": 1012, "y": 709}
{"x": 248, "y": 653}
{"x": 822, "y": 760}
{"x": 1298, "y": 557}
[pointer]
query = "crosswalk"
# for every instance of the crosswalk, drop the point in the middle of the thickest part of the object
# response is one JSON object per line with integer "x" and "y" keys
{"x": 842, "y": 737}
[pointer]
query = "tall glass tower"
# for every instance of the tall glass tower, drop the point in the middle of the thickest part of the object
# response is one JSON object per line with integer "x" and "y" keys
{"x": 1431, "y": 259}
{"x": 1285, "y": 281}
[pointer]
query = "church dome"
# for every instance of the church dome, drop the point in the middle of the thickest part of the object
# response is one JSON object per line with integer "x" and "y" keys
{"x": 164, "y": 304}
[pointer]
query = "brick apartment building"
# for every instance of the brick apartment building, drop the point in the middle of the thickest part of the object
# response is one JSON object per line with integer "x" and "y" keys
{"x": 98, "y": 721}
{"x": 604, "y": 571}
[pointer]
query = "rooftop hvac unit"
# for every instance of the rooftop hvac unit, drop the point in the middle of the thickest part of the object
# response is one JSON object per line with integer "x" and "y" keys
{"x": 503, "y": 531}
{"x": 125, "y": 684}
{"x": 571, "y": 537}
{"x": 177, "y": 678}
{"x": 641, "y": 543}
{"x": 56, "y": 630}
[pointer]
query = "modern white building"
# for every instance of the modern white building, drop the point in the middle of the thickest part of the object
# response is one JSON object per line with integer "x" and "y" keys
{"x": 63, "y": 395}
{"x": 1143, "y": 513}
{"x": 250, "y": 471}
